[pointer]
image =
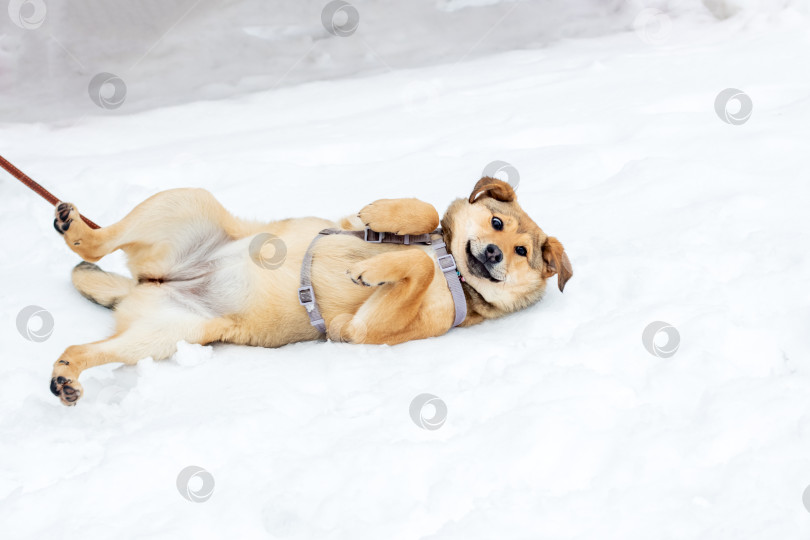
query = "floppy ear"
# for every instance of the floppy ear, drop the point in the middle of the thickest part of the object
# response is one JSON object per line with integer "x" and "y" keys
{"x": 556, "y": 262}
{"x": 492, "y": 187}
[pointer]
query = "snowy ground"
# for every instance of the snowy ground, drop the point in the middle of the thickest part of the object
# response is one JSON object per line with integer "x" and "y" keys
{"x": 169, "y": 50}
{"x": 560, "y": 424}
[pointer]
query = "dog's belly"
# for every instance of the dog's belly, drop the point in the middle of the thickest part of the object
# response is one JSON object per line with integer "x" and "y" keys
{"x": 214, "y": 276}
{"x": 274, "y": 316}
{"x": 257, "y": 290}
{"x": 215, "y": 286}
{"x": 259, "y": 295}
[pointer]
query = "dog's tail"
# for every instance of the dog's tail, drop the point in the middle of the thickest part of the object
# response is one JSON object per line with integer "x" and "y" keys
{"x": 104, "y": 288}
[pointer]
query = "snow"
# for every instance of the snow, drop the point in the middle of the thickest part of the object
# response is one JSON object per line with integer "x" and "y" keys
{"x": 560, "y": 423}
{"x": 174, "y": 51}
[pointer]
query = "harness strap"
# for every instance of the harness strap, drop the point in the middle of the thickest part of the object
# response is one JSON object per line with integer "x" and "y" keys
{"x": 447, "y": 264}
{"x": 306, "y": 296}
{"x": 390, "y": 238}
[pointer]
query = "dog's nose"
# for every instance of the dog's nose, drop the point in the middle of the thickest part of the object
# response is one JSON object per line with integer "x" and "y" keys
{"x": 493, "y": 254}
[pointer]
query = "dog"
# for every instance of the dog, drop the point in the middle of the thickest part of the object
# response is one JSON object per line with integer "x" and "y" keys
{"x": 196, "y": 276}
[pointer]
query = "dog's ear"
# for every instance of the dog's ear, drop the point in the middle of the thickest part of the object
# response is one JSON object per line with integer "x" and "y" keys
{"x": 557, "y": 262}
{"x": 492, "y": 187}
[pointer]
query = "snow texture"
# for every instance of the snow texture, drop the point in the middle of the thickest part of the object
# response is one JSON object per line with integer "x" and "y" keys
{"x": 171, "y": 51}
{"x": 560, "y": 424}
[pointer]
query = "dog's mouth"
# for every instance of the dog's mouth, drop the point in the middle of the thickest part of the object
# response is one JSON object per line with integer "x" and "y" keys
{"x": 477, "y": 268}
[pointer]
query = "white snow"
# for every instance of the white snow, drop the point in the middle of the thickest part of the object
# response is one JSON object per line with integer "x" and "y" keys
{"x": 560, "y": 424}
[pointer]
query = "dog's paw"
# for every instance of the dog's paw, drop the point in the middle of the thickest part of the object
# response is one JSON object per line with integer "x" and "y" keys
{"x": 78, "y": 236}
{"x": 65, "y": 213}
{"x": 375, "y": 217}
{"x": 345, "y": 328}
{"x": 400, "y": 216}
{"x": 365, "y": 275}
{"x": 66, "y": 388}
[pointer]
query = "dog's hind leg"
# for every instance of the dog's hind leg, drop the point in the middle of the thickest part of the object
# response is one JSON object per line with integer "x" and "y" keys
{"x": 157, "y": 233}
{"x": 148, "y": 325}
{"x": 103, "y": 288}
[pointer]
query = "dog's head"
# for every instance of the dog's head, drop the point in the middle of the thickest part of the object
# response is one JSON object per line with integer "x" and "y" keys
{"x": 502, "y": 254}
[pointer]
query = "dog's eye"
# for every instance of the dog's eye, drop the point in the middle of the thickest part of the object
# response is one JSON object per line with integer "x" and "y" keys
{"x": 497, "y": 224}
{"x": 520, "y": 250}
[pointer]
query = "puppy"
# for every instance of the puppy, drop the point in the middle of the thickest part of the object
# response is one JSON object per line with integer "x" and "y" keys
{"x": 202, "y": 275}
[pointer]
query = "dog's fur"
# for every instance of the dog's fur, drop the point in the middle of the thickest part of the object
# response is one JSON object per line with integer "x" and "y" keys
{"x": 195, "y": 278}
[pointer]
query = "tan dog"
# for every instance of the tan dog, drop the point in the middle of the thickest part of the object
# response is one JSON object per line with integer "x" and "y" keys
{"x": 195, "y": 278}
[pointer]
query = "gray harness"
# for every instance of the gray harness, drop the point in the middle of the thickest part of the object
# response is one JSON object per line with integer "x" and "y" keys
{"x": 447, "y": 264}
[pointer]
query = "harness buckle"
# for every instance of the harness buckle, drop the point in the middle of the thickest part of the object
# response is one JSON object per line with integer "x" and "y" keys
{"x": 451, "y": 263}
{"x": 407, "y": 239}
{"x": 379, "y": 236}
{"x": 306, "y": 297}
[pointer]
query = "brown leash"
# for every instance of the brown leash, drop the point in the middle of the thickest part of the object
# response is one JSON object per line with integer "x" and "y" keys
{"x": 36, "y": 188}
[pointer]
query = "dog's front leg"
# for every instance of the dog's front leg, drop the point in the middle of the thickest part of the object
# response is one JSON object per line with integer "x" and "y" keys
{"x": 402, "y": 279}
{"x": 400, "y": 216}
